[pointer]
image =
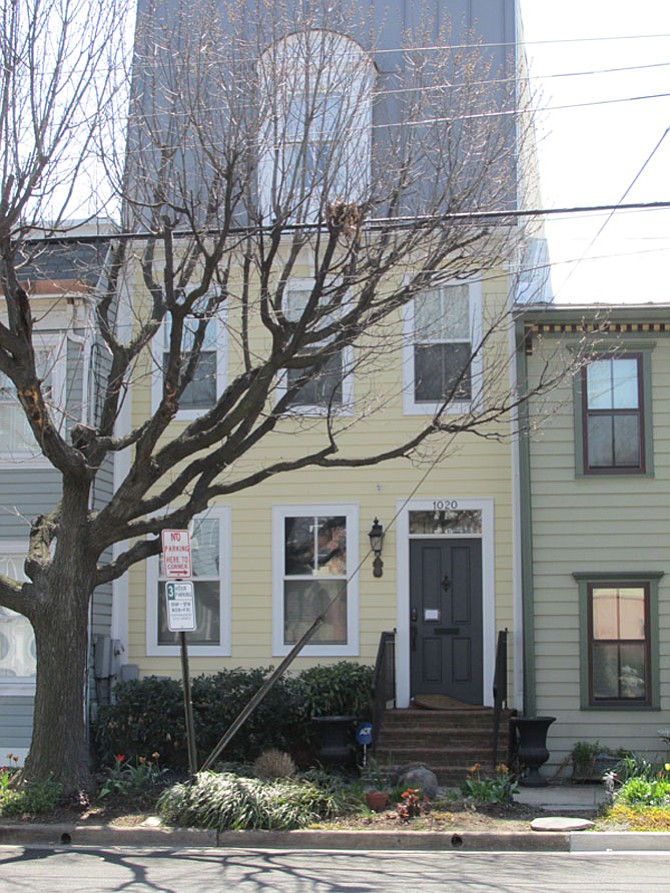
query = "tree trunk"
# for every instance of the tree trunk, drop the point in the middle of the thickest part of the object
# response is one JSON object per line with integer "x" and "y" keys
{"x": 59, "y": 747}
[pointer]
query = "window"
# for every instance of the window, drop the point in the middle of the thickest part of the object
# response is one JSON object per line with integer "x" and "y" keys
{"x": 442, "y": 328}
{"x": 210, "y": 557}
{"x": 315, "y": 143}
{"x": 328, "y": 389}
{"x": 315, "y": 551}
{"x": 619, "y": 622}
{"x": 17, "y": 640}
{"x": 16, "y": 437}
{"x": 613, "y": 415}
{"x": 207, "y": 384}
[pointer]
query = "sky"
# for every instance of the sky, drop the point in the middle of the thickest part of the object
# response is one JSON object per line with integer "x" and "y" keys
{"x": 598, "y": 141}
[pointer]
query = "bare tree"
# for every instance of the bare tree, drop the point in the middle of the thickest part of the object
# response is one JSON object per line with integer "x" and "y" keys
{"x": 287, "y": 187}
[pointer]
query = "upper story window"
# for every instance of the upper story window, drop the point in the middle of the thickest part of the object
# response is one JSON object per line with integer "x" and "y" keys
{"x": 207, "y": 382}
{"x": 315, "y": 139}
{"x": 17, "y": 441}
{"x": 613, "y": 410}
{"x": 324, "y": 389}
{"x": 442, "y": 362}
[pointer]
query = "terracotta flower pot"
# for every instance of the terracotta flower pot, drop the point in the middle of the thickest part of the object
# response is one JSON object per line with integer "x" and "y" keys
{"x": 376, "y": 800}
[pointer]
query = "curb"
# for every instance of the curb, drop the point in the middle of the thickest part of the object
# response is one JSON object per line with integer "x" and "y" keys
{"x": 72, "y": 835}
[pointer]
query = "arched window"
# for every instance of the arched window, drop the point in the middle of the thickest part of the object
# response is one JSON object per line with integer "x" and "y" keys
{"x": 315, "y": 110}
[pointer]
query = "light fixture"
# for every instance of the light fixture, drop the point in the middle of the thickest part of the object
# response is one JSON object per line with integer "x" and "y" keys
{"x": 376, "y": 539}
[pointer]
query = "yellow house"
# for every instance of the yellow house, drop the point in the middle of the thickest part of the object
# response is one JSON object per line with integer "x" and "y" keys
{"x": 269, "y": 558}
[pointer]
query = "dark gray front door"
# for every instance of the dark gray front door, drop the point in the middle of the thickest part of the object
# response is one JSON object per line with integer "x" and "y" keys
{"x": 446, "y": 618}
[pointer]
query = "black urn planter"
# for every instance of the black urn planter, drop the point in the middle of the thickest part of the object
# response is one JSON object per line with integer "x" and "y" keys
{"x": 531, "y": 747}
{"x": 335, "y": 738}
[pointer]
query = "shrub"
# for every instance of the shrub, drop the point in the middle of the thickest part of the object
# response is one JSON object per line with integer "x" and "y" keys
{"x": 343, "y": 689}
{"x": 148, "y": 714}
{"x": 646, "y": 791}
{"x": 228, "y": 802}
{"x": 33, "y": 799}
{"x": 274, "y": 763}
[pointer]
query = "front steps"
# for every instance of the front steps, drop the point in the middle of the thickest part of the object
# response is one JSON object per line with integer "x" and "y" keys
{"x": 449, "y": 742}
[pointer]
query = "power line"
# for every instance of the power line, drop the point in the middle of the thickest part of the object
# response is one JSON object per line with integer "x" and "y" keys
{"x": 612, "y": 212}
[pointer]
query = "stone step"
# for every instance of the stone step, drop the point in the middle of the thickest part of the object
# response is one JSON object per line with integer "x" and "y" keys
{"x": 449, "y": 742}
{"x": 443, "y": 737}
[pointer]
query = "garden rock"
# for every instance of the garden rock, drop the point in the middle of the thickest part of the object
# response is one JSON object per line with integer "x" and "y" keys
{"x": 419, "y": 777}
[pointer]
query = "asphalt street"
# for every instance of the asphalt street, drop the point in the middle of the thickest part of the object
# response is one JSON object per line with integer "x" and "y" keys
{"x": 26, "y": 869}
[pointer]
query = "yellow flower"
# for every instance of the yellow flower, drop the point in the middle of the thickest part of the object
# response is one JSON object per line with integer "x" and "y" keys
{"x": 155, "y": 755}
{"x": 667, "y": 767}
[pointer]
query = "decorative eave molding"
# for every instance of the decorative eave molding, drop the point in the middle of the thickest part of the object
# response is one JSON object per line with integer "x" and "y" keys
{"x": 596, "y": 328}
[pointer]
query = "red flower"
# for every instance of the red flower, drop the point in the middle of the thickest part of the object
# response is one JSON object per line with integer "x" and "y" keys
{"x": 120, "y": 757}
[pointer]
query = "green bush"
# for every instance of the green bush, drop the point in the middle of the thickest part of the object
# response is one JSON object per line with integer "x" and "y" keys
{"x": 343, "y": 689}
{"x": 34, "y": 799}
{"x": 148, "y": 714}
{"x": 229, "y": 802}
{"x": 641, "y": 791}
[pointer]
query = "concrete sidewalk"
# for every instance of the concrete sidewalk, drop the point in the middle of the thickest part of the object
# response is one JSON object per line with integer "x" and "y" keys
{"x": 563, "y": 798}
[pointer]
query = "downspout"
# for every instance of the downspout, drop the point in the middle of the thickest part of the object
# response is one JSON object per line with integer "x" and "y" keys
{"x": 525, "y": 531}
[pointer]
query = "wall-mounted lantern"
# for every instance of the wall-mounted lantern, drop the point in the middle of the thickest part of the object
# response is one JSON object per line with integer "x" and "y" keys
{"x": 376, "y": 539}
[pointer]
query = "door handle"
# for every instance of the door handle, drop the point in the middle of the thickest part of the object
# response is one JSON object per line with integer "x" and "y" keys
{"x": 413, "y": 615}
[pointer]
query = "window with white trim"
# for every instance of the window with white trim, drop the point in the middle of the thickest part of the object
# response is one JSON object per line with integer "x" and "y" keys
{"x": 328, "y": 388}
{"x": 17, "y": 441}
{"x": 17, "y": 640}
{"x": 208, "y": 381}
{"x": 315, "y": 554}
{"x": 210, "y": 557}
{"x": 315, "y": 91}
{"x": 441, "y": 357}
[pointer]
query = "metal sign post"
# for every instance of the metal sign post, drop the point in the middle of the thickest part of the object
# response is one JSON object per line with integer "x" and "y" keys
{"x": 180, "y": 609}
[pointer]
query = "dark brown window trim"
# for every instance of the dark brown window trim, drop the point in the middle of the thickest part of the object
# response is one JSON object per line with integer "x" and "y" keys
{"x": 602, "y": 703}
{"x": 639, "y": 413}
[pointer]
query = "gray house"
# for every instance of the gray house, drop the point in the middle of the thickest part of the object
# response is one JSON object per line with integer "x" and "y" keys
{"x": 61, "y": 277}
{"x": 595, "y": 479}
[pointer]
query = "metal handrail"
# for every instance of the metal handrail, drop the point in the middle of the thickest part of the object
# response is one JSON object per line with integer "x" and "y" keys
{"x": 499, "y": 688}
{"x": 383, "y": 681}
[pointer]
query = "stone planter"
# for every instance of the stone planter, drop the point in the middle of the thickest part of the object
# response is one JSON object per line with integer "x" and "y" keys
{"x": 532, "y": 747}
{"x": 335, "y": 738}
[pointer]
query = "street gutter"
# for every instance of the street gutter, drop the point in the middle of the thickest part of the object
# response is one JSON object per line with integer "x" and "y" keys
{"x": 73, "y": 835}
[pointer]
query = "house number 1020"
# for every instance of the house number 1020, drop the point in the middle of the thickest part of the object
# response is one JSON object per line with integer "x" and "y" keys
{"x": 445, "y": 505}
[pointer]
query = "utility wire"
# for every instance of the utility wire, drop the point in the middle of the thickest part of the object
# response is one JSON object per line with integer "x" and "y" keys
{"x": 613, "y": 211}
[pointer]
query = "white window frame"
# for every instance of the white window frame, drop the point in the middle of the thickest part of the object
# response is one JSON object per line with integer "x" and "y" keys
{"x": 223, "y": 649}
{"x": 410, "y": 405}
{"x": 281, "y": 71}
{"x": 345, "y": 407}
{"x": 279, "y": 514}
{"x": 57, "y": 345}
{"x": 221, "y": 342}
{"x": 16, "y": 686}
